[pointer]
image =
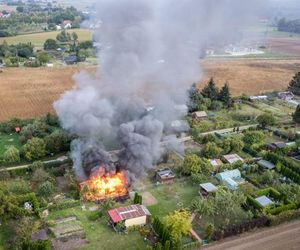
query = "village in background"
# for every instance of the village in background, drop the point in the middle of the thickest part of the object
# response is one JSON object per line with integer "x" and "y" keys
{"x": 239, "y": 170}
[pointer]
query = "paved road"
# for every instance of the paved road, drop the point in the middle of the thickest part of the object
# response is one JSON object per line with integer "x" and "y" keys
{"x": 283, "y": 237}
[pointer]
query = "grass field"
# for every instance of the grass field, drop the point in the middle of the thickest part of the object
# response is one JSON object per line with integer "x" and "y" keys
{"x": 171, "y": 197}
{"x": 99, "y": 232}
{"x": 7, "y": 140}
{"x": 38, "y": 39}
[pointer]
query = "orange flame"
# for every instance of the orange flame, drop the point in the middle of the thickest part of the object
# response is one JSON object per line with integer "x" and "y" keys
{"x": 104, "y": 187}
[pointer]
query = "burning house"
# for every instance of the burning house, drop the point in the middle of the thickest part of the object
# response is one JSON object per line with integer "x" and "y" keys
{"x": 142, "y": 60}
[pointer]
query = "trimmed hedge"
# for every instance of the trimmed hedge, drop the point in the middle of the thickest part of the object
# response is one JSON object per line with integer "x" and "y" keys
{"x": 282, "y": 208}
{"x": 283, "y": 217}
{"x": 240, "y": 228}
{"x": 64, "y": 205}
{"x": 289, "y": 168}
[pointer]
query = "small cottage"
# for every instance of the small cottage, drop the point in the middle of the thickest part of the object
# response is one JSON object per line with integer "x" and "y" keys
{"x": 165, "y": 175}
{"x": 232, "y": 158}
{"x": 199, "y": 115}
{"x": 133, "y": 215}
{"x": 207, "y": 188}
{"x": 266, "y": 164}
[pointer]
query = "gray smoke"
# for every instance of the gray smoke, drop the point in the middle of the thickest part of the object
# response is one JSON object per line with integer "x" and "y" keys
{"x": 149, "y": 56}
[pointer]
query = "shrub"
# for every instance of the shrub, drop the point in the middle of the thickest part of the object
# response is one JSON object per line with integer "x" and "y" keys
{"x": 46, "y": 189}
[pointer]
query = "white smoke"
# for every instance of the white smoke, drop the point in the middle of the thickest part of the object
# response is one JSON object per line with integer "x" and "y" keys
{"x": 149, "y": 56}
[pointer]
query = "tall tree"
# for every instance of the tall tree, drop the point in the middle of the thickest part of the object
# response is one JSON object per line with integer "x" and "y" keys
{"x": 178, "y": 223}
{"x": 294, "y": 85}
{"x": 225, "y": 96}
{"x": 210, "y": 90}
{"x": 265, "y": 120}
{"x": 195, "y": 98}
{"x": 296, "y": 115}
{"x": 34, "y": 149}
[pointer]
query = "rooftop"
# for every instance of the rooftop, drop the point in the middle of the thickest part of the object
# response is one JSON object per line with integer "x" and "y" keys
{"x": 129, "y": 212}
{"x": 200, "y": 114}
{"x": 266, "y": 164}
{"x": 165, "y": 173}
{"x": 216, "y": 162}
{"x": 264, "y": 201}
{"x": 209, "y": 187}
{"x": 232, "y": 158}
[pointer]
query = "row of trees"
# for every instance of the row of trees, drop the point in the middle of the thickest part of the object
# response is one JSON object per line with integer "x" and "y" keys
{"x": 210, "y": 97}
{"x": 39, "y": 138}
{"x": 289, "y": 25}
{"x": 35, "y": 19}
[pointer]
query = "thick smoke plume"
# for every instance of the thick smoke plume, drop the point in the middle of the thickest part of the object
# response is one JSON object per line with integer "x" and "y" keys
{"x": 149, "y": 56}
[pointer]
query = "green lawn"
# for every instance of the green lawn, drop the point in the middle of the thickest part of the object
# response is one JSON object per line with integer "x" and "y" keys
{"x": 172, "y": 196}
{"x": 38, "y": 39}
{"x": 7, "y": 140}
{"x": 4, "y": 234}
{"x": 101, "y": 235}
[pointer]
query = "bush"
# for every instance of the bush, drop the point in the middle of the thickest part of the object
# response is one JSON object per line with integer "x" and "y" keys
{"x": 46, "y": 189}
{"x": 240, "y": 228}
{"x": 30, "y": 197}
{"x": 95, "y": 215}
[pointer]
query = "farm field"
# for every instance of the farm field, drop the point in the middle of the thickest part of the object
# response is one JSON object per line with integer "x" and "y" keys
{"x": 30, "y": 92}
{"x": 38, "y": 39}
{"x": 251, "y": 76}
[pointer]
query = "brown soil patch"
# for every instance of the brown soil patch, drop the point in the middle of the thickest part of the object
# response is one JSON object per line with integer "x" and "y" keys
{"x": 69, "y": 245}
{"x": 30, "y": 92}
{"x": 148, "y": 199}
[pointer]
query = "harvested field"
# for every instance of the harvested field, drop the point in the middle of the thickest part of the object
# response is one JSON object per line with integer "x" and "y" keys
{"x": 30, "y": 92}
{"x": 285, "y": 45}
{"x": 38, "y": 39}
{"x": 251, "y": 76}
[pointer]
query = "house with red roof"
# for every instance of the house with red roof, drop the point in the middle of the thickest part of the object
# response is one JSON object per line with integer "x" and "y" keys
{"x": 133, "y": 215}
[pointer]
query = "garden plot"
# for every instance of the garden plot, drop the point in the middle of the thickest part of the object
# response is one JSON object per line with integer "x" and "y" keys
{"x": 67, "y": 228}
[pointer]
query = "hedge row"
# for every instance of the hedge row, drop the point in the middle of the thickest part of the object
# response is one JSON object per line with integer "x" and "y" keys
{"x": 269, "y": 192}
{"x": 240, "y": 228}
{"x": 250, "y": 151}
{"x": 284, "y": 217}
{"x": 251, "y": 180}
{"x": 280, "y": 209}
{"x": 64, "y": 205}
{"x": 289, "y": 168}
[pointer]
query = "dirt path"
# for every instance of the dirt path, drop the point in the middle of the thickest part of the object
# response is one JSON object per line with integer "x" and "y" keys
{"x": 286, "y": 236}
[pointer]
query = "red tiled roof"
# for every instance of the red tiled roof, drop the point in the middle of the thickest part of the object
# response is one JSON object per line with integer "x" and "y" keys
{"x": 129, "y": 212}
{"x": 113, "y": 214}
